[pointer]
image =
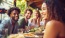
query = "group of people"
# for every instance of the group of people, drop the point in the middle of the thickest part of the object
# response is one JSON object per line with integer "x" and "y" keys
{"x": 51, "y": 17}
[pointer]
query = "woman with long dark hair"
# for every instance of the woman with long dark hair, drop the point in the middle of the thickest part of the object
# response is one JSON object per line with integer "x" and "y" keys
{"x": 55, "y": 26}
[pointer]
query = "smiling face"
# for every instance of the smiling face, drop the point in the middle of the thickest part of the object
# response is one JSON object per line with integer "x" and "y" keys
{"x": 44, "y": 11}
{"x": 28, "y": 14}
{"x": 14, "y": 15}
{"x": 36, "y": 14}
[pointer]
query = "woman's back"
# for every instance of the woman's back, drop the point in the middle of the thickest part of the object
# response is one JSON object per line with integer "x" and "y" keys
{"x": 54, "y": 29}
{"x": 62, "y": 31}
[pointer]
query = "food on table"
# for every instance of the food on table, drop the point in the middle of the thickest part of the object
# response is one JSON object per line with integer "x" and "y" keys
{"x": 29, "y": 35}
{"x": 16, "y": 36}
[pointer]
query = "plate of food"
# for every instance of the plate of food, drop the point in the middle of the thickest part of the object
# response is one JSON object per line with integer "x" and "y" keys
{"x": 29, "y": 35}
{"x": 16, "y": 36}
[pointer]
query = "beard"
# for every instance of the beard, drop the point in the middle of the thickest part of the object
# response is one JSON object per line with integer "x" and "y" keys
{"x": 28, "y": 17}
{"x": 15, "y": 19}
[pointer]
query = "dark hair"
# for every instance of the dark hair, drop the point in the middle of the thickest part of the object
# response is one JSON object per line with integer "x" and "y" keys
{"x": 55, "y": 10}
{"x": 28, "y": 10}
{"x": 13, "y": 8}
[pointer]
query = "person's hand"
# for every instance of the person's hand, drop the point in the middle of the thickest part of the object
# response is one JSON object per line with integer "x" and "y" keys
{"x": 20, "y": 30}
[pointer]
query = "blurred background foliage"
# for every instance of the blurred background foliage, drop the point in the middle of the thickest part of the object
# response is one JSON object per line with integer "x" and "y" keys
{"x": 0, "y": 1}
{"x": 22, "y": 4}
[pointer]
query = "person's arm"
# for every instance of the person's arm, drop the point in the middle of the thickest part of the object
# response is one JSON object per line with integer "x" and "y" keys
{"x": 2, "y": 26}
{"x": 3, "y": 23}
{"x": 51, "y": 30}
{"x": 38, "y": 21}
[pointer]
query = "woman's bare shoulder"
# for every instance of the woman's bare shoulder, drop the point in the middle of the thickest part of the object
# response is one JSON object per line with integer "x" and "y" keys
{"x": 52, "y": 28}
{"x": 55, "y": 23}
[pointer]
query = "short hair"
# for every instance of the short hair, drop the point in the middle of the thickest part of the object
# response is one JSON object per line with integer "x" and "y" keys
{"x": 13, "y": 8}
{"x": 28, "y": 10}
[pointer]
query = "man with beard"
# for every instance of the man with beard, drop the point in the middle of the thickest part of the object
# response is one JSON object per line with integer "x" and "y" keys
{"x": 11, "y": 23}
{"x": 24, "y": 21}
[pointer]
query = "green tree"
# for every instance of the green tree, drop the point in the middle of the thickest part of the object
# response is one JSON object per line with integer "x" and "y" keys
{"x": 22, "y": 5}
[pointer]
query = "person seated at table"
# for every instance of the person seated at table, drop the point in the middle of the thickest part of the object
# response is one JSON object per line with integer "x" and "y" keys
{"x": 11, "y": 23}
{"x": 24, "y": 21}
{"x": 55, "y": 26}
{"x": 35, "y": 20}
